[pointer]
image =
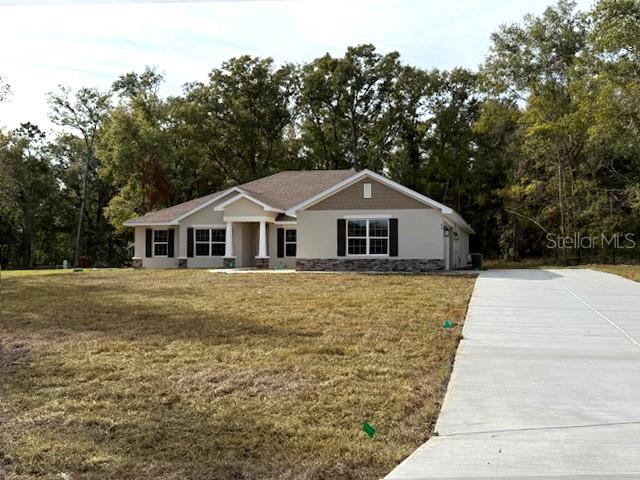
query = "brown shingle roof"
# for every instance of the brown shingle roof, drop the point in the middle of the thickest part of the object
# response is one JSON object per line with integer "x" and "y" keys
{"x": 282, "y": 190}
{"x": 286, "y": 189}
{"x": 167, "y": 215}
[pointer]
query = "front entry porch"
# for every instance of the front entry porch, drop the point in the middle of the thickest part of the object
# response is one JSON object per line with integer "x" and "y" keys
{"x": 247, "y": 244}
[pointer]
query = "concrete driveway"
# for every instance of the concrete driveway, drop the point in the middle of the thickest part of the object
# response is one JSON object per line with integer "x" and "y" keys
{"x": 546, "y": 382}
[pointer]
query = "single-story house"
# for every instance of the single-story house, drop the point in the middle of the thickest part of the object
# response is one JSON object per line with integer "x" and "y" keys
{"x": 307, "y": 220}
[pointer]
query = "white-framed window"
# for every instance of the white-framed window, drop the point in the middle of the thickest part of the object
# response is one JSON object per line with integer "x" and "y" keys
{"x": 161, "y": 243}
{"x": 290, "y": 242}
{"x": 209, "y": 242}
{"x": 366, "y": 191}
{"x": 368, "y": 237}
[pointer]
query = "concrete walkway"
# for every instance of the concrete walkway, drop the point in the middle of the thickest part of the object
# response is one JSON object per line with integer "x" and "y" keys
{"x": 546, "y": 382}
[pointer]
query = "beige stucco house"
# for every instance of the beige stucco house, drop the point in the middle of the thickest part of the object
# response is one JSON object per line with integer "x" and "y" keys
{"x": 308, "y": 220}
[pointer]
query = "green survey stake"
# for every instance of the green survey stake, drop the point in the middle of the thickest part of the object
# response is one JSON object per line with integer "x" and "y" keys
{"x": 368, "y": 429}
{"x": 447, "y": 324}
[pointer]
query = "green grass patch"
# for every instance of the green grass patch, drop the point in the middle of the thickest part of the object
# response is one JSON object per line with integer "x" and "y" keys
{"x": 190, "y": 374}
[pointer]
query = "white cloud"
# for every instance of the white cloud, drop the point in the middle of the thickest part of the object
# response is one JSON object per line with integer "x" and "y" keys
{"x": 90, "y": 45}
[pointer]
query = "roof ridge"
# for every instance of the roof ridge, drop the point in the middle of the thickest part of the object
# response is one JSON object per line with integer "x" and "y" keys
{"x": 305, "y": 170}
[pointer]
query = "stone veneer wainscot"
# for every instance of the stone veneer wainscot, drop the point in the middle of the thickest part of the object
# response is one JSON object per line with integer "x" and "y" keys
{"x": 262, "y": 263}
{"x": 369, "y": 265}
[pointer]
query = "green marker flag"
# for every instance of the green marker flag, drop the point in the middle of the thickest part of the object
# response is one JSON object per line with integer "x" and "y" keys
{"x": 447, "y": 324}
{"x": 368, "y": 429}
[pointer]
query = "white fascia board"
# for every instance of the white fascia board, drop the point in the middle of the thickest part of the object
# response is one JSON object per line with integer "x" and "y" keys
{"x": 219, "y": 225}
{"x": 177, "y": 220}
{"x": 200, "y": 207}
{"x": 243, "y": 194}
{"x": 220, "y": 207}
{"x": 368, "y": 173}
{"x": 456, "y": 219}
{"x": 248, "y": 219}
{"x": 409, "y": 192}
{"x": 150, "y": 224}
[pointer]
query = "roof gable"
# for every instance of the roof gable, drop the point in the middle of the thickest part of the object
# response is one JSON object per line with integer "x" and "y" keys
{"x": 381, "y": 197}
{"x": 379, "y": 178}
{"x": 247, "y": 197}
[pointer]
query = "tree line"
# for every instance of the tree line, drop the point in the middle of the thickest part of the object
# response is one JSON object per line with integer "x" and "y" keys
{"x": 543, "y": 138}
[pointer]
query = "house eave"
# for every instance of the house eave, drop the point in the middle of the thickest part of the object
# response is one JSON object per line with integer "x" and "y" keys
{"x": 456, "y": 219}
{"x": 151, "y": 224}
{"x": 176, "y": 221}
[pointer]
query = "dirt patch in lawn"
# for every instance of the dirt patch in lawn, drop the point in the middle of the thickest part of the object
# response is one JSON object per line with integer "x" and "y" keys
{"x": 189, "y": 374}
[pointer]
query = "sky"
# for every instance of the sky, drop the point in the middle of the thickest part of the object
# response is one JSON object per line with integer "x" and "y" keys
{"x": 46, "y": 43}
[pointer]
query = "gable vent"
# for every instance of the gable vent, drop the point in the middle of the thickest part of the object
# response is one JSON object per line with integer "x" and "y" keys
{"x": 367, "y": 190}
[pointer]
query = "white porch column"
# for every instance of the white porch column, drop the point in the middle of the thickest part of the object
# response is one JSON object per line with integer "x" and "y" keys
{"x": 228, "y": 241}
{"x": 262, "y": 245}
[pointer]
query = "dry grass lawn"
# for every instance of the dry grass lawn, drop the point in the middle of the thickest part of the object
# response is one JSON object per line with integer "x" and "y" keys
{"x": 630, "y": 271}
{"x": 50, "y": 271}
{"x": 194, "y": 375}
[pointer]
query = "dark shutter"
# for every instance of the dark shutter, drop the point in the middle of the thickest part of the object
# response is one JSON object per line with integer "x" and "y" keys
{"x": 393, "y": 237}
{"x": 171, "y": 244}
{"x": 280, "y": 243}
{"x": 342, "y": 237}
{"x": 189, "y": 242}
{"x": 149, "y": 245}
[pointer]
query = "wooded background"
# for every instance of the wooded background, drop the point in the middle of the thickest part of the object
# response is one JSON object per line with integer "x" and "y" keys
{"x": 544, "y": 137}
